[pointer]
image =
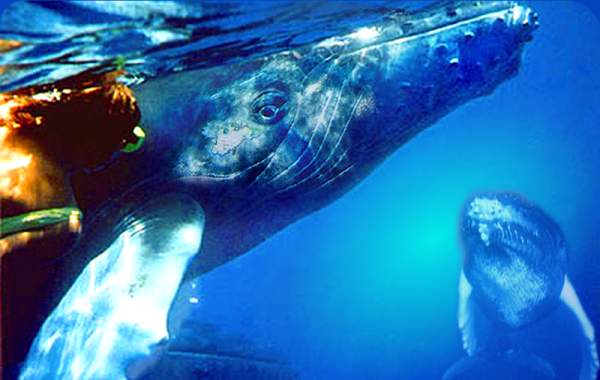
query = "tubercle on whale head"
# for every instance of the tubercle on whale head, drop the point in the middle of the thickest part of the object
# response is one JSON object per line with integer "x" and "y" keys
{"x": 419, "y": 66}
{"x": 437, "y": 17}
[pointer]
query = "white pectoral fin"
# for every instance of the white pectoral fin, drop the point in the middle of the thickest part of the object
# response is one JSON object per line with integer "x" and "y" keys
{"x": 474, "y": 326}
{"x": 589, "y": 350}
{"x": 465, "y": 315}
{"x": 117, "y": 308}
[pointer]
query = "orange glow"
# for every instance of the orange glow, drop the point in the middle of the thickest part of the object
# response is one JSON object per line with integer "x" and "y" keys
{"x": 24, "y": 172}
{"x": 14, "y": 167}
{"x": 18, "y": 240}
{"x": 35, "y": 142}
{"x": 15, "y": 177}
{"x": 29, "y": 179}
{"x": 7, "y": 45}
{"x": 14, "y": 110}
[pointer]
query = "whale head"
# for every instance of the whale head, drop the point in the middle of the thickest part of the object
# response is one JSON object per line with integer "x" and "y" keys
{"x": 263, "y": 142}
{"x": 515, "y": 256}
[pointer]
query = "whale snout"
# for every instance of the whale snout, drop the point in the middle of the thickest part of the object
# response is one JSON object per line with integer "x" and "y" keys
{"x": 525, "y": 18}
{"x": 467, "y": 14}
{"x": 432, "y": 60}
{"x": 495, "y": 226}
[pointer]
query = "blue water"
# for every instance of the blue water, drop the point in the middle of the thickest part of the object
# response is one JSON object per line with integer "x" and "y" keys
{"x": 367, "y": 287}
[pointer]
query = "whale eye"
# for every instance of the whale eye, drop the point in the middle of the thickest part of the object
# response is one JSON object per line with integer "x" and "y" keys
{"x": 269, "y": 107}
{"x": 268, "y": 112}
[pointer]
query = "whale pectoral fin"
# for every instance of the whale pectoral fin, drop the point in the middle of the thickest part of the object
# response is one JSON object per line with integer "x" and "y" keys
{"x": 465, "y": 315}
{"x": 117, "y": 308}
{"x": 590, "y": 363}
{"x": 473, "y": 324}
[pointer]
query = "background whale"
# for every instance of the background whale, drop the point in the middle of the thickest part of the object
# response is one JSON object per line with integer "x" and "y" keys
{"x": 260, "y": 144}
{"x": 514, "y": 289}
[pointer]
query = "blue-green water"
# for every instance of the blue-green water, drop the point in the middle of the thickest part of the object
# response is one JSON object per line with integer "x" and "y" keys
{"x": 367, "y": 287}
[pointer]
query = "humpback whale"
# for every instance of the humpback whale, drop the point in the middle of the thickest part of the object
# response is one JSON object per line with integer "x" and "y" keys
{"x": 235, "y": 153}
{"x": 513, "y": 278}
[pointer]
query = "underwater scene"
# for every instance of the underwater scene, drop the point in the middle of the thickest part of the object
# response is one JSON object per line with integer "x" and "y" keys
{"x": 300, "y": 189}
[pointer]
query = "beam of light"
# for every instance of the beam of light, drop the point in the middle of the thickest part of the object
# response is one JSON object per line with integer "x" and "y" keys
{"x": 117, "y": 308}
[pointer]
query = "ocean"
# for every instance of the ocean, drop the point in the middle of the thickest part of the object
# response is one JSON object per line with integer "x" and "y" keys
{"x": 367, "y": 287}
